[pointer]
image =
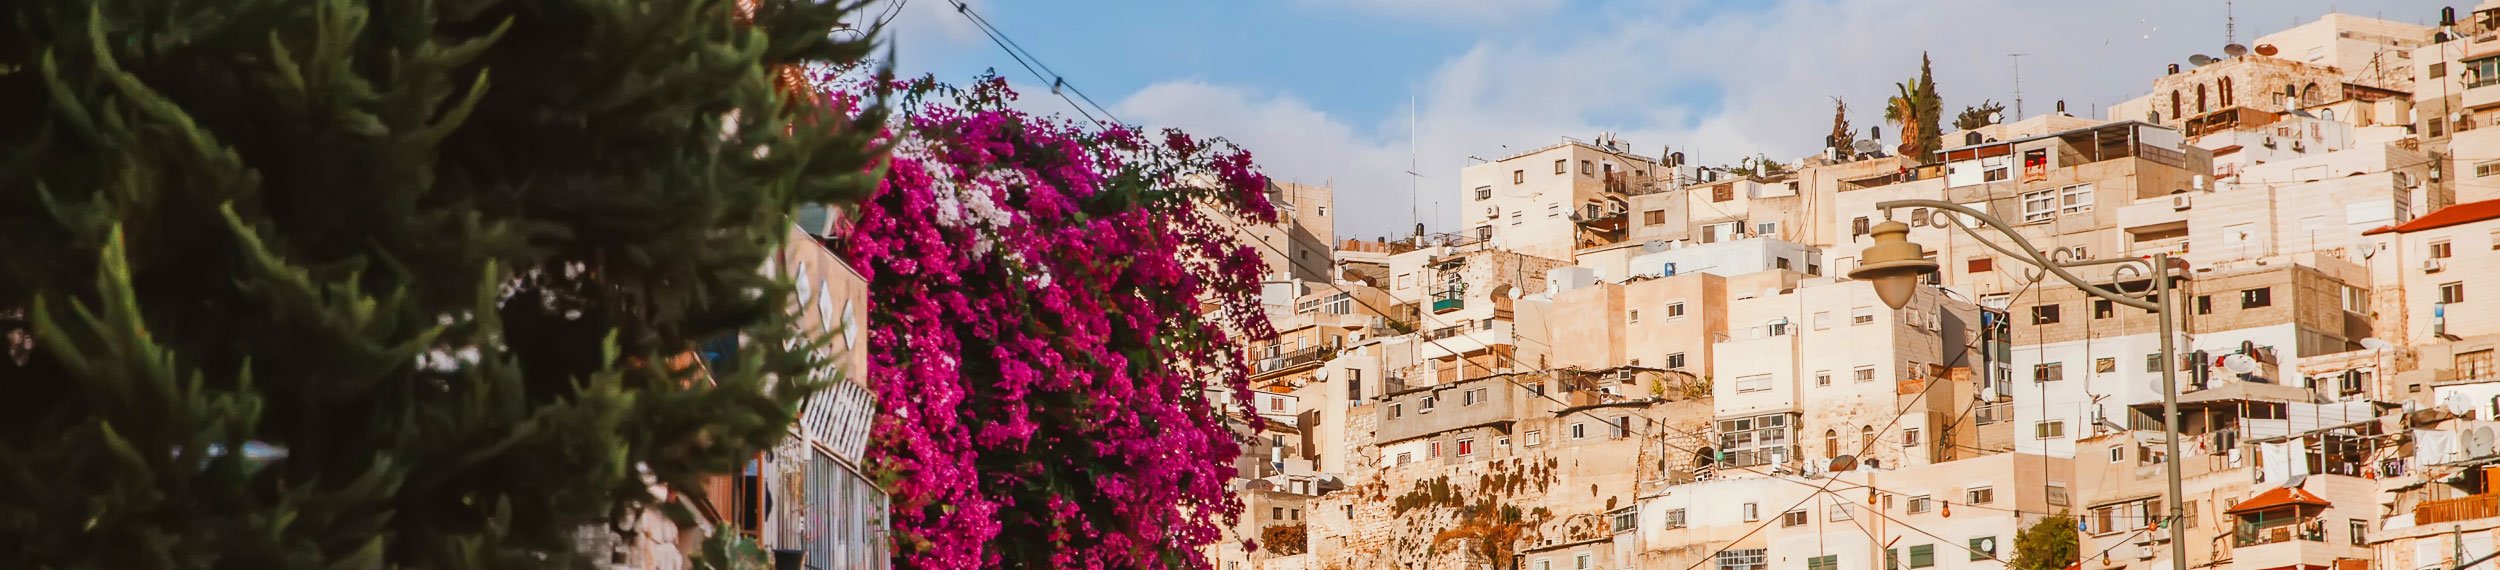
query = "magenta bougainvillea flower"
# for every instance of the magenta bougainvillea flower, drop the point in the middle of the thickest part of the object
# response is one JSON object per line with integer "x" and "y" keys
{"x": 1057, "y": 311}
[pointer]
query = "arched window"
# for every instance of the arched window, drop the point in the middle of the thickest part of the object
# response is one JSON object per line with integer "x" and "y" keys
{"x": 2310, "y": 96}
{"x": 2174, "y": 103}
{"x": 1831, "y": 443}
{"x": 2224, "y": 86}
{"x": 1867, "y": 433}
{"x": 2200, "y": 98}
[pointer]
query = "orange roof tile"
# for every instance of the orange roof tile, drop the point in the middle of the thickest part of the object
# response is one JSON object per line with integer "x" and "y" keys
{"x": 2277, "y": 497}
{"x": 2453, "y": 215}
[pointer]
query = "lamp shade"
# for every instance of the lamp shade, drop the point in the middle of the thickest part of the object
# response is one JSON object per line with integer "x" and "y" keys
{"x": 1893, "y": 264}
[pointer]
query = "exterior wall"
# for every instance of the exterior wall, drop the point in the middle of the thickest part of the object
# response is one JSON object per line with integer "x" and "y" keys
{"x": 1737, "y": 257}
{"x": 1777, "y": 373}
{"x": 1842, "y": 525}
{"x": 2475, "y": 266}
{"x": 1526, "y": 203}
{"x": 2256, "y": 82}
{"x": 2365, "y": 50}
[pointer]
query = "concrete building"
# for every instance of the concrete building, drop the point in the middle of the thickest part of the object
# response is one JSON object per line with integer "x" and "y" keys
{"x": 1536, "y": 202}
{"x": 2439, "y": 262}
{"x": 1825, "y": 357}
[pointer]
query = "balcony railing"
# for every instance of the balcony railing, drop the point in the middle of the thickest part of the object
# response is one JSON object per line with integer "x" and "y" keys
{"x": 2460, "y": 509}
{"x": 1304, "y": 357}
{"x": 2312, "y": 530}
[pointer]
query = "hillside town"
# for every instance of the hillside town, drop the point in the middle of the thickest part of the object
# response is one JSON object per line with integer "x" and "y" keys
{"x": 1622, "y": 360}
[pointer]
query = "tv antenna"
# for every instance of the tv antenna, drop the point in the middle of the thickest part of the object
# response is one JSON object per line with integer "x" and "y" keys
{"x": 2230, "y": 24}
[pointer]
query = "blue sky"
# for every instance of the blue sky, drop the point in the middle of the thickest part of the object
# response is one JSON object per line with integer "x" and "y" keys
{"x": 1319, "y": 89}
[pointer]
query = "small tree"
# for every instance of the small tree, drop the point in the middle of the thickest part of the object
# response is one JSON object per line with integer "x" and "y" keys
{"x": 2046, "y": 545}
{"x": 1976, "y": 116}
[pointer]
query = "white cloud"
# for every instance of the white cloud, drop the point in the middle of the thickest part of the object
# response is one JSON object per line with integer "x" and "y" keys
{"x": 1633, "y": 68}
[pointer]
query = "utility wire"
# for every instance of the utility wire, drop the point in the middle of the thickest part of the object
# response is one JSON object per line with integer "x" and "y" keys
{"x": 1058, "y": 84}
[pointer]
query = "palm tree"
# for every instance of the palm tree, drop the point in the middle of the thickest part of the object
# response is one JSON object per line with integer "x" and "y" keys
{"x": 1916, "y": 110}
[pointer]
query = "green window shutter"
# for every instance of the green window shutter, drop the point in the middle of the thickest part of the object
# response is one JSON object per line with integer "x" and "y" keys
{"x": 1828, "y": 562}
{"x": 1922, "y": 556}
{"x": 1892, "y": 559}
{"x": 1983, "y": 548}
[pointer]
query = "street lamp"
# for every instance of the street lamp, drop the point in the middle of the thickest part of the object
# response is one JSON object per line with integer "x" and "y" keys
{"x": 1894, "y": 265}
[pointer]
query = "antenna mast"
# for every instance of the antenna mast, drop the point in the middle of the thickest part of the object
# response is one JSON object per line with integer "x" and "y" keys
{"x": 1414, "y": 209}
{"x": 2230, "y": 24}
{"x": 2018, "y": 84}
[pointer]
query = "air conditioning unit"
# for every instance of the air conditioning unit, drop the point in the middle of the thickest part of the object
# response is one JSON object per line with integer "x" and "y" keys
{"x": 2144, "y": 553}
{"x": 2433, "y": 265}
{"x": 2179, "y": 202}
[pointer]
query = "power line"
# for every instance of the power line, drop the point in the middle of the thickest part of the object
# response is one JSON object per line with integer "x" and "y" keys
{"x": 1059, "y": 85}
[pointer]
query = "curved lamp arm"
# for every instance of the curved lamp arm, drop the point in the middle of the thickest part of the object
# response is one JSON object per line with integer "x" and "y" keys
{"x": 2027, "y": 254}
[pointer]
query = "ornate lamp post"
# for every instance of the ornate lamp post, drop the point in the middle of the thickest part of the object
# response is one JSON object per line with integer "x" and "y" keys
{"x": 1894, "y": 265}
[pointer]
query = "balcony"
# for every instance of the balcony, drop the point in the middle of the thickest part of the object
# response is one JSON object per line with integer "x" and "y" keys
{"x": 1450, "y": 299}
{"x": 2460, "y": 509}
{"x": 1461, "y": 340}
{"x": 2248, "y": 534}
{"x": 1292, "y": 360}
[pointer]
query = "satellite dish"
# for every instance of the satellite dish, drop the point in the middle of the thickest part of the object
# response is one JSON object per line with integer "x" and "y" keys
{"x": 1997, "y": 117}
{"x": 2478, "y": 442}
{"x": 1321, "y": 374}
{"x": 1866, "y": 146}
{"x": 2235, "y": 50}
{"x": 1656, "y": 245}
{"x": 2239, "y": 363}
{"x": 2458, "y": 404}
{"x": 1988, "y": 544}
{"x": 2374, "y": 343}
{"x": 2201, "y": 60}
{"x": 2266, "y": 50}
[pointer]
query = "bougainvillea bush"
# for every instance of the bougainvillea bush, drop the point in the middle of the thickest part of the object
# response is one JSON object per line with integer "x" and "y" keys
{"x": 1057, "y": 316}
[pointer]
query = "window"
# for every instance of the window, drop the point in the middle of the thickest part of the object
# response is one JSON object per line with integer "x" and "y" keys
{"x": 2481, "y": 72}
{"x": 1831, "y": 444}
{"x": 1473, "y": 397}
{"x": 1405, "y": 458}
{"x": 1466, "y": 447}
{"x": 1921, "y": 504}
{"x": 2104, "y": 365}
{"x": 1294, "y": 514}
{"x": 2117, "y": 454}
{"x": 1636, "y": 316}
{"x": 2102, "y": 309}
{"x": 1427, "y": 404}
{"x": 1744, "y": 558}
{"x": 1755, "y": 440}
{"x": 1822, "y": 378}
{"x": 2048, "y": 372}
{"x": 1979, "y": 496}
{"x": 1484, "y": 233}
{"x": 1841, "y": 512}
{"x": 1553, "y": 210}
{"x": 1766, "y": 228}
{"x": 2043, "y": 314}
{"x": 1776, "y": 328}
{"x": 1397, "y": 410}
{"x": 2258, "y": 297}
{"x": 1519, "y": 177}
{"x": 2040, "y": 206}
{"x": 2440, "y": 249}
{"x": 2360, "y": 532}
{"x": 2074, "y": 199}
{"x": 1983, "y": 548}
{"x": 1866, "y": 437}
{"x": 1275, "y": 404}
{"x": 2474, "y": 364}
{"x": 1862, "y": 316}
{"x": 1654, "y": 218}
{"x": 1755, "y": 383}
{"x": 1675, "y": 310}
{"x": 1484, "y": 193}
{"x": 1622, "y": 427}
{"x": 1861, "y": 226}
{"x": 1982, "y": 264}
{"x": 1793, "y": 518}
{"x": 1435, "y": 453}
{"x": 1753, "y": 512}
{"x": 1923, "y": 556}
{"x": 2452, "y": 292}
{"x": 1781, "y": 262}
{"x": 1535, "y": 436}
{"x": 1588, "y": 168}
{"x": 2440, "y": 128}
{"x": 1277, "y": 513}
{"x": 2187, "y": 511}
{"x": 1675, "y": 361}
{"x": 2058, "y": 496}
{"x": 1580, "y": 561}
{"x": 1675, "y": 518}
{"x": 1627, "y": 520}
{"x": 2204, "y": 304}
{"x": 1909, "y": 438}
{"x": 1579, "y": 431}
{"x": 1561, "y": 166}
{"x": 2049, "y": 429}
{"x": 1824, "y": 562}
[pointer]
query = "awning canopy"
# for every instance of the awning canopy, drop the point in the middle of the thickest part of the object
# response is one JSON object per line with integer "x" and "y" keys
{"x": 2277, "y": 498}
